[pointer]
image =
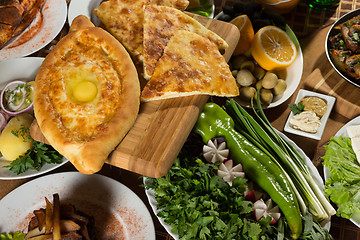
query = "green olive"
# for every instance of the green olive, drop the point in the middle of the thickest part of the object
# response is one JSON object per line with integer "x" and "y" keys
{"x": 258, "y": 84}
{"x": 234, "y": 73}
{"x": 237, "y": 61}
{"x": 280, "y": 87}
{"x": 259, "y": 72}
{"x": 266, "y": 96}
{"x": 249, "y": 65}
{"x": 246, "y": 93}
{"x": 270, "y": 80}
{"x": 245, "y": 78}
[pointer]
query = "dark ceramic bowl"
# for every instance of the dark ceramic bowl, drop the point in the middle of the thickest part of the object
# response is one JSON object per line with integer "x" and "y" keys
{"x": 333, "y": 31}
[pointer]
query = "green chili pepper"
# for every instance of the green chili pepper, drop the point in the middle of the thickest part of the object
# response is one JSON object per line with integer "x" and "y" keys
{"x": 258, "y": 167}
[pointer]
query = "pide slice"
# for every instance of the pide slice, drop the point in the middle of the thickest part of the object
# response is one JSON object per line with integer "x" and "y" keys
{"x": 191, "y": 65}
{"x": 124, "y": 19}
{"x": 160, "y": 24}
{"x": 87, "y": 95}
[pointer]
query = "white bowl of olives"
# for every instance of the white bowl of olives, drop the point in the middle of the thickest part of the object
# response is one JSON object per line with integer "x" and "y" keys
{"x": 275, "y": 86}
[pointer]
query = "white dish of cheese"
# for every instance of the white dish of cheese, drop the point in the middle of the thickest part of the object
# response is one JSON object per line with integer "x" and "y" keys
{"x": 330, "y": 101}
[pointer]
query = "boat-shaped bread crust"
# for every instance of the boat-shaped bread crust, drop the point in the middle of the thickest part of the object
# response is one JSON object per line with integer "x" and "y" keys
{"x": 87, "y": 95}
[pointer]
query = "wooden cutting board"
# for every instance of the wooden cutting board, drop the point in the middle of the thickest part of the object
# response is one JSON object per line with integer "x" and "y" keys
{"x": 161, "y": 128}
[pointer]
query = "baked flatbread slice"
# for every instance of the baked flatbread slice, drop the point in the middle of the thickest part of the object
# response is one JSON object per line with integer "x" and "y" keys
{"x": 87, "y": 95}
{"x": 124, "y": 19}
{"x": 191, "y": 65}
{"x": 160, "y": 24}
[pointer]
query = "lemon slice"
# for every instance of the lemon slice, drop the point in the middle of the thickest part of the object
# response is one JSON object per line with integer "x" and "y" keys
{"x": 273, "y": 49}
{"x": 246, "y": 29}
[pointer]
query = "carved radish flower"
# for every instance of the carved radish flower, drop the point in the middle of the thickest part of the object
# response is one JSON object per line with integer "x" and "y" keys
{"x": 265, "y": 209}
{"x": 228, "y": 172}
{"x": 215, "y": 151}
{"x": 254, "y": 192}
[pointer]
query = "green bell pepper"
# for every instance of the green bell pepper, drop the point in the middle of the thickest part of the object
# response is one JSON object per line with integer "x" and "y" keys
{"x": 258, "y": 167}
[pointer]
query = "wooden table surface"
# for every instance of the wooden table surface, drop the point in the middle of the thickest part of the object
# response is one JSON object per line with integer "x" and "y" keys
{"x": 311, "y": 27}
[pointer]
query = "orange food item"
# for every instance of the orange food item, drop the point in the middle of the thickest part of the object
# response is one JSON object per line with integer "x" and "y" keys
{"x": 246, "y": 29}
{"x": 273, "y": 49}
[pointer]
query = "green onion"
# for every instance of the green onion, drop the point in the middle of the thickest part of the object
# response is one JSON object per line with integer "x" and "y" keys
{"x": 258, "y": 129}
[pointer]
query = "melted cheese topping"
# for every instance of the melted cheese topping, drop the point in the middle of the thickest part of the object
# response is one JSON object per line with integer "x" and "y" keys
{"x": 84, "y": 113}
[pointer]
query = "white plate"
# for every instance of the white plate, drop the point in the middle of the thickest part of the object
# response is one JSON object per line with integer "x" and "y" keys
{"x": 119, "y": 213}
{"x": 86, "y": 7}
{"x": 342, "y": 132}
{"x": 293, "y": 76}
{"x": 83, "y": 7}
{"x": 314, "y": 172}
{"x": 54, "y": 17}
{"x": 330, "y": 103}
{"x": 9, "y": 70}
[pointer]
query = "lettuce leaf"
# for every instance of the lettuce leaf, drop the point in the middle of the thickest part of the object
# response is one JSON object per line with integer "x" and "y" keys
{"x": 343, "y": 186}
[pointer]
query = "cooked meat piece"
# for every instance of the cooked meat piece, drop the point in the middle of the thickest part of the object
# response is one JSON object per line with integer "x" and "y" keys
{"x": 15, "y": 17}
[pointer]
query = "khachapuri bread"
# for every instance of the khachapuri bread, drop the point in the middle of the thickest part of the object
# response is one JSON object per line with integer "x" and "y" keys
{"x": 87, "y": 95}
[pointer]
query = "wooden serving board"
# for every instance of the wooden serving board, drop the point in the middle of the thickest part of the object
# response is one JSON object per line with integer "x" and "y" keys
{"x": 161, "y": 128}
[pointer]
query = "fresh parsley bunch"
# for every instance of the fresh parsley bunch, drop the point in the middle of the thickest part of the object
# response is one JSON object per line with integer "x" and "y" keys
{"x": 35, "y": 158}
{"x": 198, "y": 204}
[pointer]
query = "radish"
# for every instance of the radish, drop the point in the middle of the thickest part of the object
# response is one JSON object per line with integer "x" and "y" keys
{"x": 214, "y": 152}
{"x": 266, "y": 209}
{"x": 228, "y": 172}
{"x": 253, "y": 192}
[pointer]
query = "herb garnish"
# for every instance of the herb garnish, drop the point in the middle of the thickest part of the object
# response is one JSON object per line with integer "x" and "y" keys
{"x": 35, "y": 158}
{"x": 296, "y": 108}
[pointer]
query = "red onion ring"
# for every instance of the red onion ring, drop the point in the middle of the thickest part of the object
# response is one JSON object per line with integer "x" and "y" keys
{"x": 13, "y": 111}
{"x": 3, "y": 121}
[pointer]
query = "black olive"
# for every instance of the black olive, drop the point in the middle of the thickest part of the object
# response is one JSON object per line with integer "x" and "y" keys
{"x": 257, "y": 15}
{"x": 256, "y": 6}
{"x": 238, "y": 8}
{"x": 225, "y": 18}
{"x": 228, "y": 10}
{"x": 249, "y": 9}
{"x": 259, "y": 23}
{"x": 278, "y": 20}
{"x": 267, "y": 13}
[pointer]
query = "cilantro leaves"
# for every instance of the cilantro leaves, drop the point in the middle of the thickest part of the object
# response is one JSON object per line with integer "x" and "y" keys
{"x": 35, "y": 158}
{"x": 296, "y": 108}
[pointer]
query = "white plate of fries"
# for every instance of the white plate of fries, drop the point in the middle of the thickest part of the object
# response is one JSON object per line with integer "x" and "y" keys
{"x": 118, "y": 212}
